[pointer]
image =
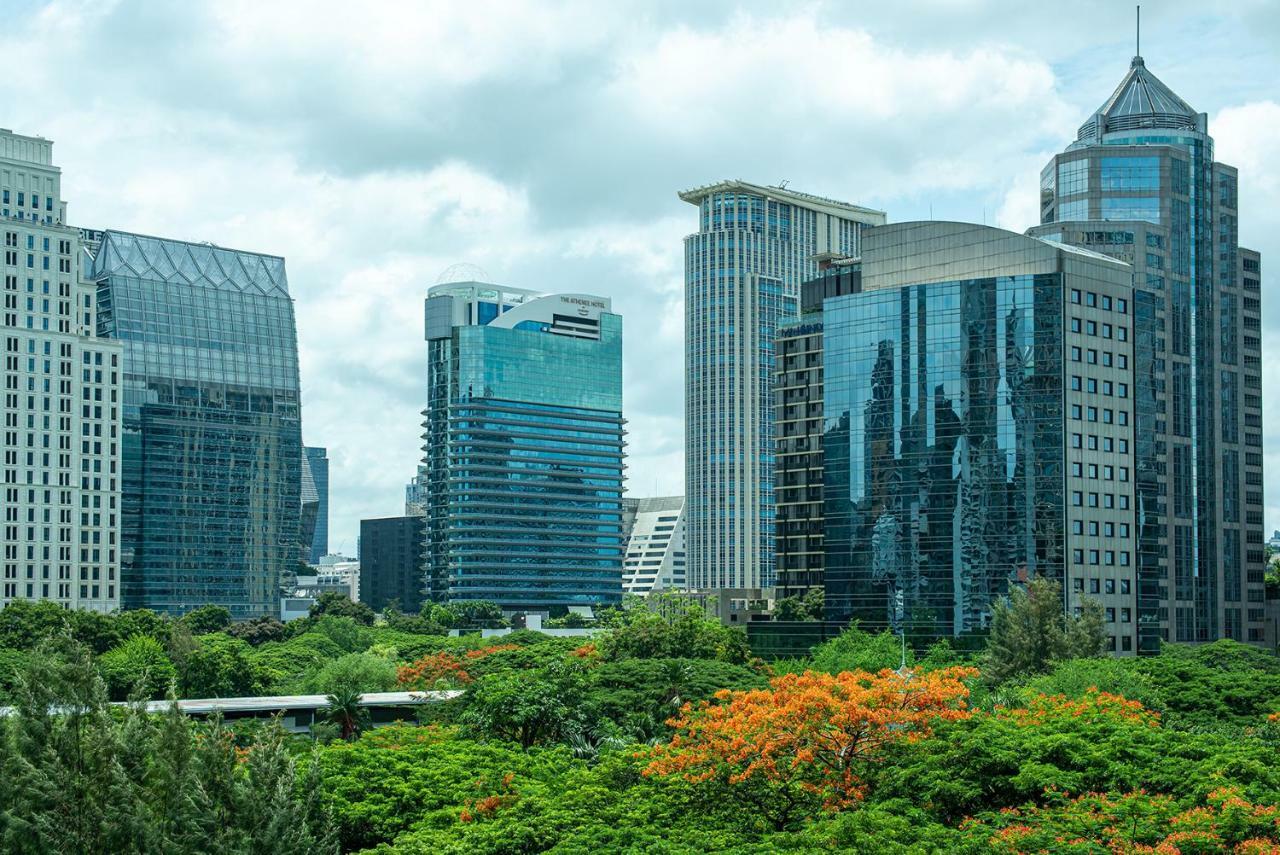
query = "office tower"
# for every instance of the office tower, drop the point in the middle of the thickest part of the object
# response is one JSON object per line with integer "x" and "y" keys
{"x": 415, "y": 493}
{"x": 391, "y": 559}
{"x": 798, "y": 428}
{"x": 979, "y": 412}
{"x": 212, "y": 453}
{"x": 524, "y": 447}
{"x": 316, "y": 461}
{"x": 308, "y": 512}
{"x": 1140, "y": 183}
{"x": 743, "y": 268}
{"x": 655, "y": 557}
{"x": 61, "y": 432}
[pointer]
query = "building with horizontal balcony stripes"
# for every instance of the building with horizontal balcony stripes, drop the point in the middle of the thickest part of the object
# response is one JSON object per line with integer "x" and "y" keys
{"x": 523, "y": 448}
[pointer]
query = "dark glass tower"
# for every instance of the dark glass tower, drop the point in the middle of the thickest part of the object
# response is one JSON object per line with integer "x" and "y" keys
{"x": 978, "y": 414}
{"x": 524, "y": 447}
{"x": 1140, "y": 183}
{"x": 212, "y": 453}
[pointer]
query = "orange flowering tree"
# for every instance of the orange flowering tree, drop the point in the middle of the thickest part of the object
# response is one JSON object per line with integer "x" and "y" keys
{"x": 1138, "y": 822}
{"x": 806, "y": 742}
{"x": 445, "y": 669}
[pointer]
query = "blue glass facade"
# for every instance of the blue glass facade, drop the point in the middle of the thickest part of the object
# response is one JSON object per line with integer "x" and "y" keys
{"x": 212, "y": 453}
{"x": 524, "y": 449}
{"x": 944, "y": 448}
{"x": 318, "y": 461}
{"x": 1145, "y": 168}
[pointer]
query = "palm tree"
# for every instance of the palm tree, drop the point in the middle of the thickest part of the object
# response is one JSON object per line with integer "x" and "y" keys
{"x": 346, "y": 711}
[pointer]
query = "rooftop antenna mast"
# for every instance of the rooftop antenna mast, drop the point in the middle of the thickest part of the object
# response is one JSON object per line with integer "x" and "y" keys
{"x": 1137, "y": 36}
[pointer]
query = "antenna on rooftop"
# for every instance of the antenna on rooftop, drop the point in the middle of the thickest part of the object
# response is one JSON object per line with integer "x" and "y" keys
{"x": 1137, "y": 36}
{"x": 782, "y": 185}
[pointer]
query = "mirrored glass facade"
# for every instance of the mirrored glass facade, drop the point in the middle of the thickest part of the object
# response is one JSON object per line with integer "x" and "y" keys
{"x": 944, "y": 449}
{"x": 212, "y": 453}
{"x": 1153, "y": 196}
{"x": 318, "y": 543}
{"x": 524, "y": 448}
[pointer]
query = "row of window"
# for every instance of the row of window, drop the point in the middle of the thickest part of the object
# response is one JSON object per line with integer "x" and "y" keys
{"x": 7, "y": 196}
{"x": 1092, "y": 385}
{"x": 1103, "y": 557}
{"x": 1109, "y": 416}
{"x": 1106, "y": 472}
{"x": 1090, "y": 356}
{"x": 1105, "y": 500}
{"x": 1099, "y": 301}
{"x": 1094, "y": 328}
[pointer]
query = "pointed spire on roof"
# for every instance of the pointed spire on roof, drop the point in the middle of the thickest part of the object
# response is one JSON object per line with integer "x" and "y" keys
{"x": 1140, "y": 101}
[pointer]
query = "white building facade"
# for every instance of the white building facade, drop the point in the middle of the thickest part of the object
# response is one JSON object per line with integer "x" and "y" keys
{"x": 743, "y": 269}
{"x": 655, "y": 559}
{"x": 60, "y": 440}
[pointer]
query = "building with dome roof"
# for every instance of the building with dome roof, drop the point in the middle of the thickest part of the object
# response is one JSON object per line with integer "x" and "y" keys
{"x": 1140, "y": 183}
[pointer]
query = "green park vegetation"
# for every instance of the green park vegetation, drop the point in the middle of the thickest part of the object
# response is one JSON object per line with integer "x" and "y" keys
{"x": 660, "y": 734}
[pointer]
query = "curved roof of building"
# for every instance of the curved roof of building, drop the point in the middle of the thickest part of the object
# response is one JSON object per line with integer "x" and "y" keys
{"x": 1141, "y": 101}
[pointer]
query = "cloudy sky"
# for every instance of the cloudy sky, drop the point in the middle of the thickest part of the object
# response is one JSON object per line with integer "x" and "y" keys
{"x": 375, "y": 144}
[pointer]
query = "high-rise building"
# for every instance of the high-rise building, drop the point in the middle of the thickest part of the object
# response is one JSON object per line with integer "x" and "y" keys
{"x": 61, "y": 384}
{"x": 415, "y": 493}
{"x": 798, "y": 428}
{"x": 743, "y": 268}
{"x": 1140, "y": 183}
{"x": 524, "y": 447}
{"x": 212, "y": 450}
{"x": 316, "y": 461}
{"x": 979, "y": 418}
{"x": 655, "y": 559}
{"x": 391, "y": 562}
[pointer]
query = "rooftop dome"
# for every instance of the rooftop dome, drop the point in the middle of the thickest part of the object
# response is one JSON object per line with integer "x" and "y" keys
{"x": 1140, "y": 101}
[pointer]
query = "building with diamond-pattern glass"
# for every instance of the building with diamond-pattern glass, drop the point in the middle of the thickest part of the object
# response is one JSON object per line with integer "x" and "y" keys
{"x": 743, "y": 269}
{"x": 523, "y": 463}
{"x": 212, "y": 451}
{"x": 1140, "y": 183}
{"x": 59, "y": 474}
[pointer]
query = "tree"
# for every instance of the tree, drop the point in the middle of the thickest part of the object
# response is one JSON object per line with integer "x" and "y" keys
{"x": 137, "y": 668}
{"x": 480, "y": 614}
{"x": 808, "y": 741}
{"x": 354, "y": 672}
{"x": 1030, "y": 632}
{"x": 684, "y": 632}
{"x": 340, "y": 605}
{"x": 213, "y": 666}
{"x": 346, "y": 711}
{"x": 207, "y": 618}
{"x": 258, "y": 630}
{"x": 808, "y": 607}
{"x": 528, "y": 707}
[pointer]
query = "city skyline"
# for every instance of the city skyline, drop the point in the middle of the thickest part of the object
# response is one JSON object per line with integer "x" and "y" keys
{"x": 365, "y": 239}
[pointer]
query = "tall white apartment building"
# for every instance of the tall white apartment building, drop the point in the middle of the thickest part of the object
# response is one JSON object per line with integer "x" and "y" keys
{"x": 655, "y": 559}
{"x": 743, "y": 269}
{"x": 60, "y": 439}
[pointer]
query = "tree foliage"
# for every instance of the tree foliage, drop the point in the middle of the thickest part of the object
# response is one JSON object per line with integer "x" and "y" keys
{"x": 808, "y": 740}
{"x": 1030, "y": 632}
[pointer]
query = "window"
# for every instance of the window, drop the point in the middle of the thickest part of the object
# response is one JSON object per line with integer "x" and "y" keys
{"x": 1131, "y": 208}
{"x": 1073, "y": 177}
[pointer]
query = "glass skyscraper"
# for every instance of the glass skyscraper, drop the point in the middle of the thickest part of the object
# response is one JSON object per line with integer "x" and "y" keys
{"x": 743, "y": 268}
{"x": 978, "y": 426}
{"x": 524, "y": 447}
{"x": 212, "y": 450}
{"x": 316, "y": 464}
{"x": 1140, "y": 183}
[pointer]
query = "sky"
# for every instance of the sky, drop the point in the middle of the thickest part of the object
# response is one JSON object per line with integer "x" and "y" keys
{"x": 376, "y": 144}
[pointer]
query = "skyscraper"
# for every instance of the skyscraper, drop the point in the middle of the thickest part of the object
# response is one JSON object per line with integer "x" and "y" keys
{"x": 61, "y": 386}
{"x": 317, "y": 461}
{"x": 743, "y": 268}
{"x": 656, "y": 559}
{"x": 524, "y": 447}
{"x": 979, "y": 409}
{"x": 212, "y": 450}
{"x": 1140, "y": 183}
